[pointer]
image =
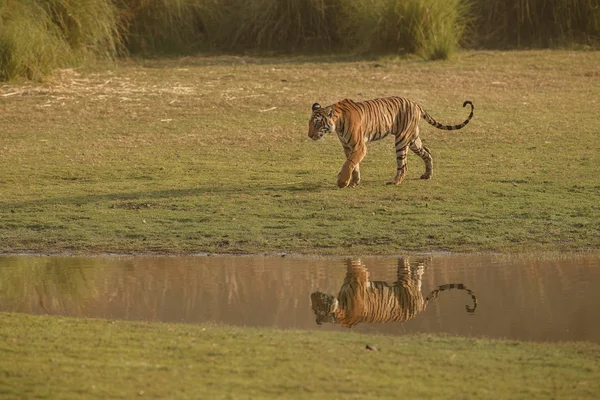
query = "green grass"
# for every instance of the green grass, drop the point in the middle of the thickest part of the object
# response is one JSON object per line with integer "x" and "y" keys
{"x": 39, "y": 36}
{"x": 33, "y": 49}
{"x": 211, "y": 154}
{"x": 53, "y": 357}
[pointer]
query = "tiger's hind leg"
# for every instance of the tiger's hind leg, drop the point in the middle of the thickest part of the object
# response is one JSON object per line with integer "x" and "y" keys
{"x": 423, "y": 152}
{"x": 409, "y": 272}
{"x": 401, "y": 169}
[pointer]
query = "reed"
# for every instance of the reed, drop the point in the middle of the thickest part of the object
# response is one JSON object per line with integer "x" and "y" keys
{"x": 30, "y": 45}
{"x": 183, "y": 26}
{"x": 537, "y": 23}
{"x": 275, "y": 25}
{"x": 38, "y": 36}
{"x": 167, "y": 26}
{"x": 442, "y": 27}
{"x": 89, "y": 27}
{"x": 431, "y": 28}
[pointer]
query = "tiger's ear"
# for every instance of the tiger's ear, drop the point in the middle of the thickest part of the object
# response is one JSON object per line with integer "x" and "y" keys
{"x": 329, "y": 111}
{"x": 316, "y": 106}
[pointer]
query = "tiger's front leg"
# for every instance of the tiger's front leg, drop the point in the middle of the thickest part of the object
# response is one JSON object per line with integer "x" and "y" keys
{"x": 355, "y": 176}
{"x": 350, "y": 170}
{"x": 346, "y": 173}
{"x": 355, "y": 180}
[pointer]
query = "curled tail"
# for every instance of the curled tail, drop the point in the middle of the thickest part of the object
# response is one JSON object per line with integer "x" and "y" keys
{"x": 449, "y": 286}
{"x": 433, "y": 122}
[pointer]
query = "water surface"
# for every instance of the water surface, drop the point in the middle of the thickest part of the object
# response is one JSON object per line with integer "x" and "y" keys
{"x": 518, "y": 297}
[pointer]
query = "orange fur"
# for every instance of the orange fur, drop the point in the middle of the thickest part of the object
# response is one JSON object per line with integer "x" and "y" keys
{"x": 361, "y": 299}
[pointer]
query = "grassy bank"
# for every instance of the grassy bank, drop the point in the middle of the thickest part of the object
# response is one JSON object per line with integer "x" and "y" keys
{"x": 55, "y": 357}
{"x": 211, "y": 154}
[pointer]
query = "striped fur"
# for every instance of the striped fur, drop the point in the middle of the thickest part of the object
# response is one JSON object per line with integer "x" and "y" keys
{"x": 357, "y": 123}
{"x": 363, "y": 300}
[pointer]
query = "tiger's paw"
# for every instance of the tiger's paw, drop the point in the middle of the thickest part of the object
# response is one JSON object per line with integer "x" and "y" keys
{"x": 343, "y": 183}
{"x": 345, "y": 176}
{"x": 396, "y": 181}
{"x": 399, "y": 177}
{"x": 426, "y": 176}
{"x": 355, "y": 181}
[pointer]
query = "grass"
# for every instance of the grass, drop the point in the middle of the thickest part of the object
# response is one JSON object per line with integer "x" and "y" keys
{"x": 430, "y": 28}
{"x": 167, "y": 27}
{"x": 39, "y": 36}
{"x": 211, "y": 154}
{"x": 53, "y": 357}
{"x": 533, "y": 23}
{"x": 272, "y": 25}
{"x": 30, "y": 50}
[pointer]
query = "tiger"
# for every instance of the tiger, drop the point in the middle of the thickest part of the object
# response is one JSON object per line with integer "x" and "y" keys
{"x": 358, "y": 123}
{"x": 363, "y": 300}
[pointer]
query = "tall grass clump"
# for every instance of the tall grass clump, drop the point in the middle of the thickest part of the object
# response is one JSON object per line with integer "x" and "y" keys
{"x": 274, "y": 25}
{"x": 90, "y": 27}
{"x": 537, "y": 23}
{"x": 442, "y": 28}
{"x": 431, "y": 28}
{"x": 168, "y": 26}
{"x": 37, "y": 36}
{"x": 31, "y": 46}
{"x": 183, "y": 26}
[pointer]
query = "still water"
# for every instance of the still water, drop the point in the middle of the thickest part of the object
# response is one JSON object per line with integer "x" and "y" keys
{"x": 511, "y": 297}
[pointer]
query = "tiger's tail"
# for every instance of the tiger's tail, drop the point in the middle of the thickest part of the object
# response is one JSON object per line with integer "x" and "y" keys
{"x": 433, "y": 122}
{"x": 449, "y": 286}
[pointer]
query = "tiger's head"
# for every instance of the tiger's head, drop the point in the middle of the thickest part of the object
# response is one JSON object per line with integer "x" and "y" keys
{"x": 324, "y": 306}
{"x": 321, "y": 122}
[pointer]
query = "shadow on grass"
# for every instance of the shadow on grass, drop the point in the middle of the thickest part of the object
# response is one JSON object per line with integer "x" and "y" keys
{"x": 168, "y": 194}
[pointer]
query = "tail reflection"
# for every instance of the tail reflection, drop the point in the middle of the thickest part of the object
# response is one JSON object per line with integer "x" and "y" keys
{"x": 363, "y": 300}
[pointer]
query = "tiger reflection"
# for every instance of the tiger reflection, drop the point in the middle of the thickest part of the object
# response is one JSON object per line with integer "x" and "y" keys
{"x": 363, "y": 300}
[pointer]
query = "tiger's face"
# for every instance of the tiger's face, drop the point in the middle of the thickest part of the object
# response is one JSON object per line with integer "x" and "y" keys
{"x": 324, "y": 306}
{"x": 321, "y": 122}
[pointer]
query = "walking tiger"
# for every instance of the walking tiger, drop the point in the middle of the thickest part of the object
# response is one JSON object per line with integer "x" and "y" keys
{"x": 363, "y": 300}
{"x": 358, "y": 123}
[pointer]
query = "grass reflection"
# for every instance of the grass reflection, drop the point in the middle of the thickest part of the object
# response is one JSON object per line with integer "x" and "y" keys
{"x": 46, "y": 285}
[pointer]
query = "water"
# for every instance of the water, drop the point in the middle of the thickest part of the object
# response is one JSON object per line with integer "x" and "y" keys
{"x": 518, "y": 297}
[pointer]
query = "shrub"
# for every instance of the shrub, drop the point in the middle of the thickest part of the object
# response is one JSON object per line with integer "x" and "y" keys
{"x": 167, "y": 26}
{"x": 279, "y": 25}
{"x": 39, "y": 36}
{"x": 30, "y": 44}
{"x": 537, "y": 23}
{"x": 432, "y": 28}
